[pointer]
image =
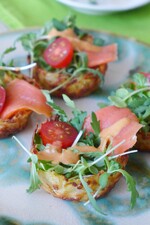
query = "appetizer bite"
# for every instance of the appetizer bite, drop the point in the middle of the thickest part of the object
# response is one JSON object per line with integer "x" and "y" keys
{"x": 135, "y": 94}
{"x": 69, "y": 60}
{"x": 18, "y": 99}
{"x": 83, "y": 157}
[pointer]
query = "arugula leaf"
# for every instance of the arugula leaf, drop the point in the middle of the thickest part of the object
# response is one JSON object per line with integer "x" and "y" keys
{"x": 68, "y": 22}
{"x": 78, "y": 119}
{"x": 59, "y": 25}
{"x": 93, "y": 170}
{"x": 8, "y": 50}
{"x": 34, "y": 179}
{"x": 96, "y": 128}
{"x": 131, "y": 186}
{"x": 45, "y": 165}
{"x": 70, "y": 103}
{"x": 57, "y": 110}
{"x": 37, "y": 139}
{"x": 89, "y": 193}
{"x": 90, "y": 139}
{"x": 79, "y": 116}
{"x": 80, "y": 60}
{"x": 95, "y": 124}
{"x": 134, "y": 94}
{"x": 122, "y": 92}
{"x": 103, "y": 180}
{"x": 38, "y": 142}
{"x": 114, "y": 167}
{"x": 117, "y": 101}
{"x": 139, "y": 79}
{"x": 27, "y": 40}
{"x": 59, "y": 169}
{"x": 40, "y": 147}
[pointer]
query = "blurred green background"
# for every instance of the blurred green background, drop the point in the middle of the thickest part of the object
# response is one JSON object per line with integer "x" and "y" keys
{"x": 19, "y": 14}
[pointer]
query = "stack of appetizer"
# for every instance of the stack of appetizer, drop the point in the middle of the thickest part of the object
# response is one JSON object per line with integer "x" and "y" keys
{"x": 18, "y": 99}
{"x": 69, "y": 60}
{"x": 82, "y": 158}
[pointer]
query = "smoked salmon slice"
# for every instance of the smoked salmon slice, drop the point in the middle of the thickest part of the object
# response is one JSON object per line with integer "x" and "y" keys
{"x": 20, "y": 95}
{"x": 106, "y": 54}
{"x": 96, "y": 54}
{"x": 108, "y": 116}
{"x": 128, "y": 133}
{"x": 116, "y": 125}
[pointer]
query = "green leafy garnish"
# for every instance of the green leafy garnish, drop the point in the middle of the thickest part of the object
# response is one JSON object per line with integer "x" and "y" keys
{"x": 7, "y": 51}
{"x": 113, "y": 167}
{"x": 78, "y": 116}
{"x": 104, "y": 180}
{"x": 131, "y": 186}
{"x": 34, "y": 178}
{"x": 135, "y": 94}
{"x": 95, "y": 124}
{"x": 27, "y": 40}
{"x": 89, "y": 193}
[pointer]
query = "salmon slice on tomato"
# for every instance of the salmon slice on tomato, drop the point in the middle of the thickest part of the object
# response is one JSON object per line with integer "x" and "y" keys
{"x": 20, "y": 95}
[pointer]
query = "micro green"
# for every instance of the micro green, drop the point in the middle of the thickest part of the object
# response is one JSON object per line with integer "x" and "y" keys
{"x": 135, "y": 94}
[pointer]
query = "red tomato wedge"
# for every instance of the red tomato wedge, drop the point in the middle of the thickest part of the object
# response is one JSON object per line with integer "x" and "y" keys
{"x": 2, "y": 97}
{"x": 106, "y": 54}
{"x": 59, "y": 53}
{"x": 20, "y": 95}
{"x": 58, "y": 133}
{"x": 116, "y": 124}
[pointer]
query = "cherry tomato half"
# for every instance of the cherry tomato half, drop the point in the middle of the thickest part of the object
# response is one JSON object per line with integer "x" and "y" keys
{"x": 56, "y": 131}
{"x": 2, "y": 97}
{"x": 59, "y": 53}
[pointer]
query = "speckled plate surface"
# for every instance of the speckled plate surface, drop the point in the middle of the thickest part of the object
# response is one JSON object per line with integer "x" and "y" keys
{"x": 17, "y": 207}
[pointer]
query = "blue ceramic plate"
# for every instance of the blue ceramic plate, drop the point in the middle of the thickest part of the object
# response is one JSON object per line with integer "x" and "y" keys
{"x": 40, "y": 208}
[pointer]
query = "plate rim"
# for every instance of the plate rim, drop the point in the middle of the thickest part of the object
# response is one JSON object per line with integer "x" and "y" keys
{"x": 98, "y": 8}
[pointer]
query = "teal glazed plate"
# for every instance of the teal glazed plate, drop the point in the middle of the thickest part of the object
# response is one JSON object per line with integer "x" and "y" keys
{"x": 17, "y": 207}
